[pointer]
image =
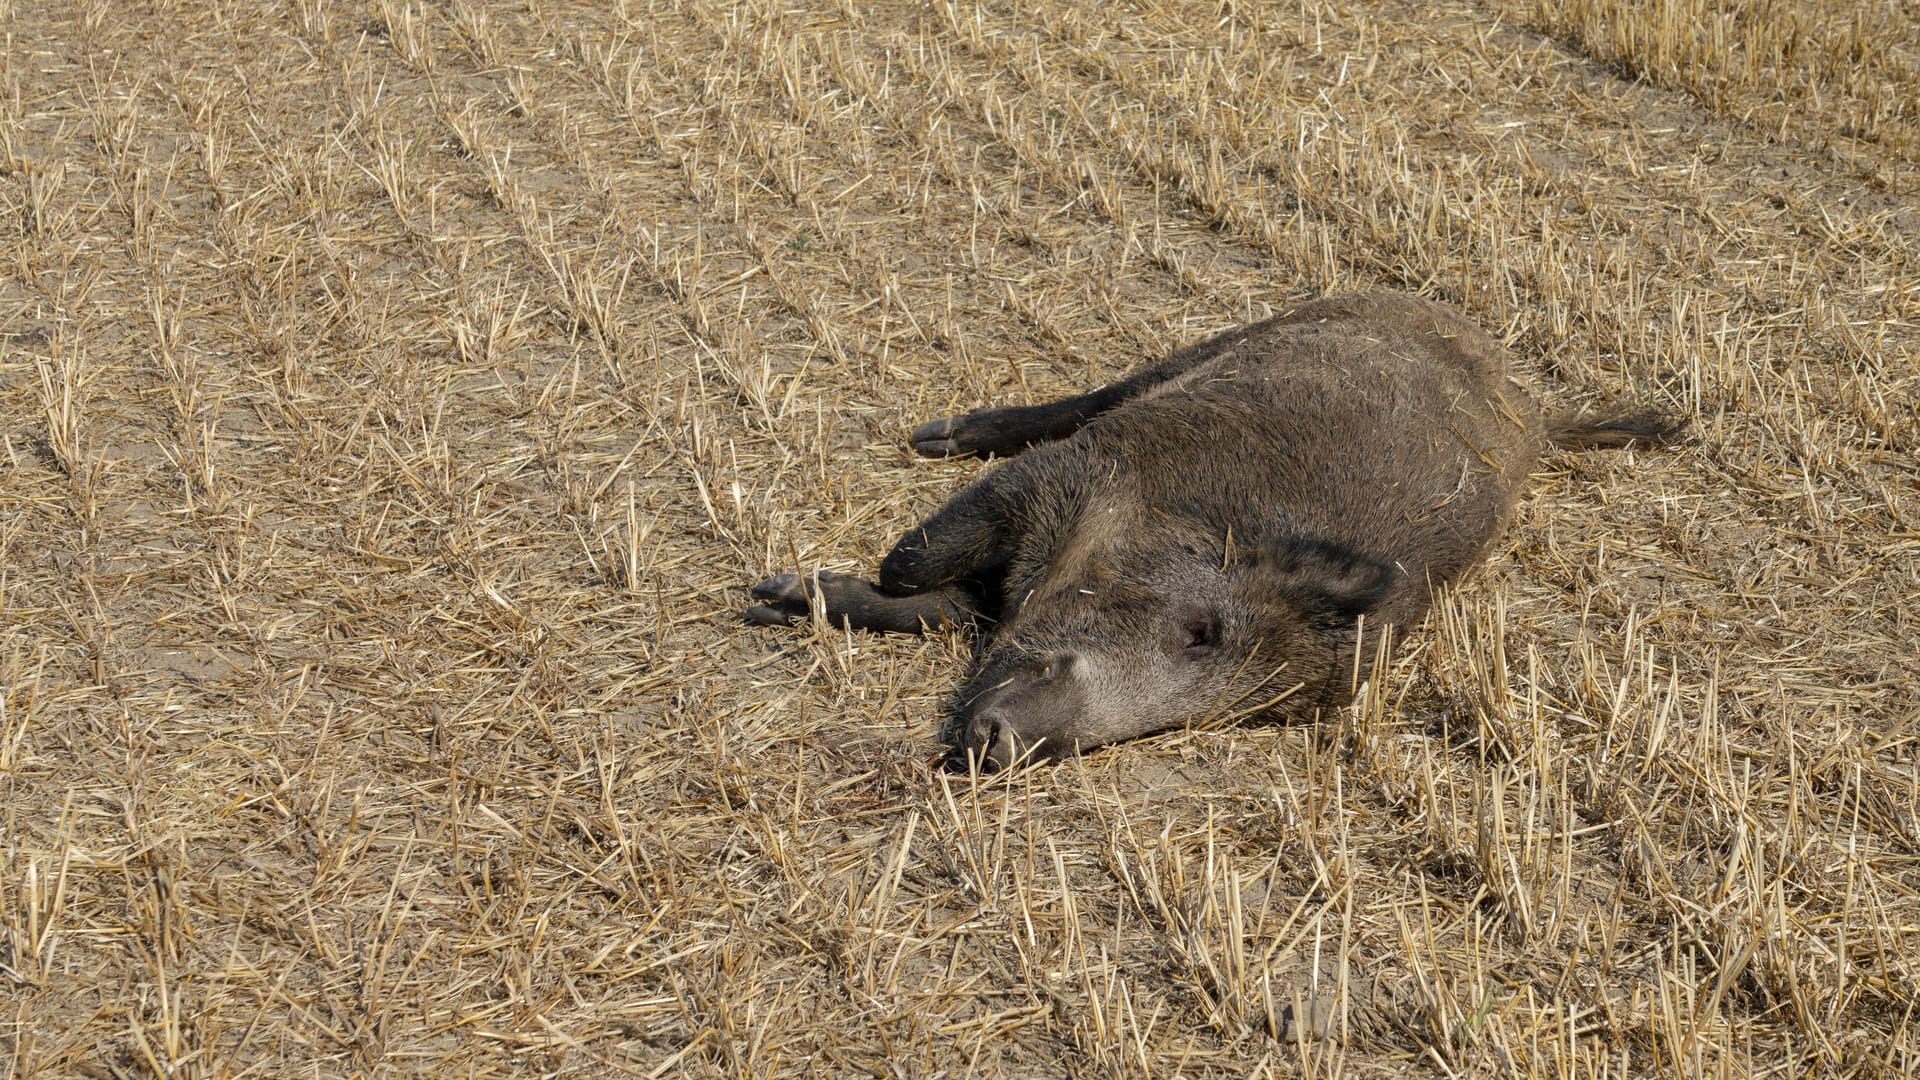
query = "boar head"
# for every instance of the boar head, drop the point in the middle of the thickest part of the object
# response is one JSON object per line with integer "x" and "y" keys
{"x": 1105, "y": 638}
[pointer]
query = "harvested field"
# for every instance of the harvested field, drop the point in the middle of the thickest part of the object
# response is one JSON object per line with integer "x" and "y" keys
{"x": 397, "y": 398}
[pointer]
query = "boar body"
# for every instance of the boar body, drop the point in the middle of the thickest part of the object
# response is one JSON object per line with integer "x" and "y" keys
{"x": 1204, "y": 538}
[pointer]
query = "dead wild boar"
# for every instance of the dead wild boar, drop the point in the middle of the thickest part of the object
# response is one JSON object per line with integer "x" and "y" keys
{"x": 1202, "y": 538}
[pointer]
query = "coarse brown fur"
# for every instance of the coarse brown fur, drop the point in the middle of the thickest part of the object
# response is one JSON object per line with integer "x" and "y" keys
{"x": 1205, "y": 536}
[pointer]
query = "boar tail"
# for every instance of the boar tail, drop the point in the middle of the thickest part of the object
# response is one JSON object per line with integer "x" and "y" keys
{"x": 1609, "y": 431}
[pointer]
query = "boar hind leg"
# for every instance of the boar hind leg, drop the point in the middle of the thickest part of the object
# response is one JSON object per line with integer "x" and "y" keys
{"x": 1013, "y": 428}
{"x": 856, "y": 602}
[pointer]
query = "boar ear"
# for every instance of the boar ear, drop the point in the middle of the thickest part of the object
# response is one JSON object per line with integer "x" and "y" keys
{"x": 1326, "y": 581}
{"x": 1197, "y": 631}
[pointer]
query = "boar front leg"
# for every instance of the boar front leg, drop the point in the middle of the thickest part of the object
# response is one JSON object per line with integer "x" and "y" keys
{"x": 856, "y": 602}
{"x": 945, "y": 571}
{"x": 951, "y": 568}
{"x": 970, "y": 539}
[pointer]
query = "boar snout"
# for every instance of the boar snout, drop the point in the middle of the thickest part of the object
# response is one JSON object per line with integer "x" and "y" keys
{"x": 1021, "y": 712}
{"x": 988, "y": 745}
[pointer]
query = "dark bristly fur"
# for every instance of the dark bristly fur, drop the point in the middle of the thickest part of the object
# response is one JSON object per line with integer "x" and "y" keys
{"x": 1203, "y": 537}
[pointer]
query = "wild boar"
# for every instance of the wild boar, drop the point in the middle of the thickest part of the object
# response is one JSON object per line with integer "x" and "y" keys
{"x": 1202, "y": 538}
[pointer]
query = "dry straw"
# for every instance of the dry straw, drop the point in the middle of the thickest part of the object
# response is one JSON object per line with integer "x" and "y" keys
{"x": 398, "y": 396}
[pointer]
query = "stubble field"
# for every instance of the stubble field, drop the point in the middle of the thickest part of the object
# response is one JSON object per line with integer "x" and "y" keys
{"x": 396, "y": 399}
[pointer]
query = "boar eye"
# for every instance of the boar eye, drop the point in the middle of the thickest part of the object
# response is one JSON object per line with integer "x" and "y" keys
{"x": 1199, "y": 633}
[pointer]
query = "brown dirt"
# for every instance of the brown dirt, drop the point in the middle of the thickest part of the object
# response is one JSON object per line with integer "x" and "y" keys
{"x": 395, "y": 400}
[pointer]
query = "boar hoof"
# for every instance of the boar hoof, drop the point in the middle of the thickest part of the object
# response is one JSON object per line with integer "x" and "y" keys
{"x": 786, "y": 601}
{"x": 789, "y": 597}
{"x": 945, "y": 437}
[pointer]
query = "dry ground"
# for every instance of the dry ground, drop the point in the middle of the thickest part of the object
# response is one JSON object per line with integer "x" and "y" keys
{"x": 396, "y": 399}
